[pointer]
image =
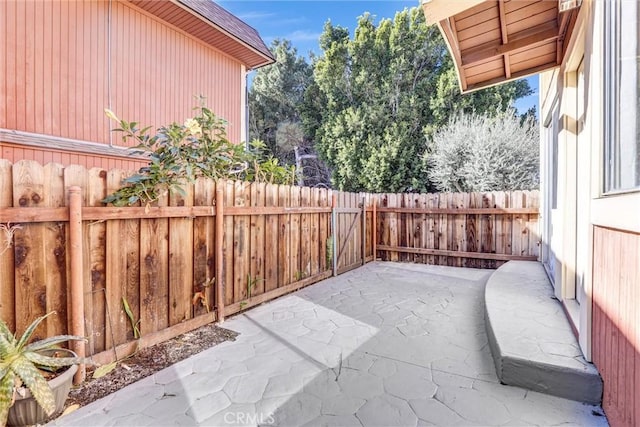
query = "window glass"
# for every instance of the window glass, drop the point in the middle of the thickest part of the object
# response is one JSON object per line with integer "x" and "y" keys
{"x": 622, "y": 150}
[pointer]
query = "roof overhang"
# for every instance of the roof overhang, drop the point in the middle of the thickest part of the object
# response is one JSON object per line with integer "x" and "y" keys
{"x": 495, "y": 41}
{"x": 222, "y": 31}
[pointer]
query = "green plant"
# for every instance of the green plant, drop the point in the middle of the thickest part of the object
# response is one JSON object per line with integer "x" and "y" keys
{"x": 129, "y": 313}
{"x": 263, "y": 167}
{"x": 21, "y": 363}
{"x": 251, "y": 284}
{"x": 180, "y": 153}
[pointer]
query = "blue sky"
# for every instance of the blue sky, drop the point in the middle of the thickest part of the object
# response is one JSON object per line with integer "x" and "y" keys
{"x": 301, "y": 22}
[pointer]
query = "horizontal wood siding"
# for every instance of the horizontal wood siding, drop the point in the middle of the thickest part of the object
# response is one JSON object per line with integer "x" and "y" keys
{"x": 616, "y": 322}
{"x": 14, "y": 153}
{"x": 59, "y": 75}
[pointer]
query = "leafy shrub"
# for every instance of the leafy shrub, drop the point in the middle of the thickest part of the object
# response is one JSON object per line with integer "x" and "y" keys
{"x": 480, "y": 153}
{"x": 179, "y": 153}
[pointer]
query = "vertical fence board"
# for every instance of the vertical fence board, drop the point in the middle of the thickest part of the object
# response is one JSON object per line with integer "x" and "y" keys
{"x": 54, "y": 248}
{"x": 487, "y": 244}
{"x": 241, "y": 244}
{"x": 324, "y": 231}
{"x": 94, "y": 298}
{"x": 354, "y": 235}
{"x": 257, "y": 228}
{"x": 204, "y": 280}
{"x": 30, "y": 289}
{"x": 518, "y": 224}
{"x": 458, "y": 228}
{"x": 442, "y": 227}
{"x": 533, "y": 200}
{"x": 315, "y": 233}
{"x": 228, "y": 249}
{"x": 180, "y": 260}
{"x": 393, "y": 226}
{"x": 116, "y": 274}
{"x": 305, "y": 235}
{"x": 420, "y": 236}
{"x": 7, "y": 290}
{"x": 294, "y": 254}
{"x": 498, "y": 201}
{"x": 406, "y": 237}
{"x": 284, "y": 232}
{"x": 271, "y": 240}
{"x": 432, "y": 229}
{"x": 154, "y": 287}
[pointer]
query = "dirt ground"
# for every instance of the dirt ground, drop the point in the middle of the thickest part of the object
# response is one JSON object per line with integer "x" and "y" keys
{"x": 148, "y": 361}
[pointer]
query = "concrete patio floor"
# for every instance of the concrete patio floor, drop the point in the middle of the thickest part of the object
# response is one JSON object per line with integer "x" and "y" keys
{"x": 388, "y": 344}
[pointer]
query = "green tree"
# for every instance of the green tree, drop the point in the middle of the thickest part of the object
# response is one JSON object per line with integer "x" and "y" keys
{"x": 277, "y": 92}
{"x": 483, "y": 153}
{"x": 382, "y": 94}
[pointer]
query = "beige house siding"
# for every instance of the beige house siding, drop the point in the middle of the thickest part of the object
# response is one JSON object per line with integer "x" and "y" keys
{"x": 595, "y": 273}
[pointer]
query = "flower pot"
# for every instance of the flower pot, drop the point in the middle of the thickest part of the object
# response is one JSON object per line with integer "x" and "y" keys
{"x": 26, "y": 411}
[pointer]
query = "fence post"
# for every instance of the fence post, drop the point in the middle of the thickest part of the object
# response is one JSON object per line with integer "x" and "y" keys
{"x": 219, "y": 283}
{"x": 77, "y": 288}
{"x": 364, "y": 231}
{"x": 334, "y": 203}
{"x": 374, "y": 228}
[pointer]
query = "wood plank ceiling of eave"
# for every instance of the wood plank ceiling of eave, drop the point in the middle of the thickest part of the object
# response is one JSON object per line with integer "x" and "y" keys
{"x": 502, "y": 40}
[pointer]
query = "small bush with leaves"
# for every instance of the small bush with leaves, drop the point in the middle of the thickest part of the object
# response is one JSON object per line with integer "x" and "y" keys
{"x": 179, "y": 153}
{"x": 21, "y": 363}
{"x": 482, "y": 153}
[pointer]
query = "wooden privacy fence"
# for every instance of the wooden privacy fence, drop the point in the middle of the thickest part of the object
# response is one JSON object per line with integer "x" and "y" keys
{"x": 186, "y": 261}
{"x": 181, "y": 263}
{"x": 481, "y": 230}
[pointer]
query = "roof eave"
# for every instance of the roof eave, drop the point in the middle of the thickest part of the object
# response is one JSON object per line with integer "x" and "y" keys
{"x": 268, "y": 59}
{"x": 478, "y": 64}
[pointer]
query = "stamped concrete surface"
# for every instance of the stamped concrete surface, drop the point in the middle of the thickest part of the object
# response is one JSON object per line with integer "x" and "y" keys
{"x": 387, "y": 344}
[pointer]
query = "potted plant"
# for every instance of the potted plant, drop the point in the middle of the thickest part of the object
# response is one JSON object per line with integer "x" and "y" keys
{"x": 26, "y": 397}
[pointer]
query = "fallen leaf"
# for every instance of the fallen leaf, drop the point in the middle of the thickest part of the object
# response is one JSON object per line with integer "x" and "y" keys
{"x": 104, "y": 370}
{"x": 70, "y": 409}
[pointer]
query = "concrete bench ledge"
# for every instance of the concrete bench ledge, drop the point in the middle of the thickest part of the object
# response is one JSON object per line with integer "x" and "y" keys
{"x": 531, "y": 341}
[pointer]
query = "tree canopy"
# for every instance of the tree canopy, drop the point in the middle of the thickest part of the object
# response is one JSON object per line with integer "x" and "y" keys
{"x": 384, "y": 92}
{"x": 370, "y": 103}
{"x": 277, "y": 92}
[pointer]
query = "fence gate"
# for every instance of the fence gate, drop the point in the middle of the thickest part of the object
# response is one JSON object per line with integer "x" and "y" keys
{"x": 350, "y": 225}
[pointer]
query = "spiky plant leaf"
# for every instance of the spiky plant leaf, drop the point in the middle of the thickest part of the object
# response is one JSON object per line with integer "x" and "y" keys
{"x": 26, "y": 336}
{"x": 6, "y": 333}
{"x": 7, "y": 382}
{"x": 4, "y": 368}
{"x": 52, "y": 341}
{"x": 54, "y": 362}
{"x": 36, "y": 384}
{"x": 7, "y": 347}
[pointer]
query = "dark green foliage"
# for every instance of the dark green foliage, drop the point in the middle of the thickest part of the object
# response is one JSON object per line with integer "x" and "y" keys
{"x": 378, "y": 98}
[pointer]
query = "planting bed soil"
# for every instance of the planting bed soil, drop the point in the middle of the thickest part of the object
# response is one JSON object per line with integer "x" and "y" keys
{"x": 148, "y": 361}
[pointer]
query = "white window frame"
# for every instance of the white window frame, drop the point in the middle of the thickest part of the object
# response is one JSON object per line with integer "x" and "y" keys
{"x": 621, "y": 24}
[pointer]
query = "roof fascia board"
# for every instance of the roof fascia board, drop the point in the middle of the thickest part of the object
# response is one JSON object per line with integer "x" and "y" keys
{"x": 268, "y": 60}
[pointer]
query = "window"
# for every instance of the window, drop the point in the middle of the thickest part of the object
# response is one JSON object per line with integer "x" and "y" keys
{"x": 622, "y": 139}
